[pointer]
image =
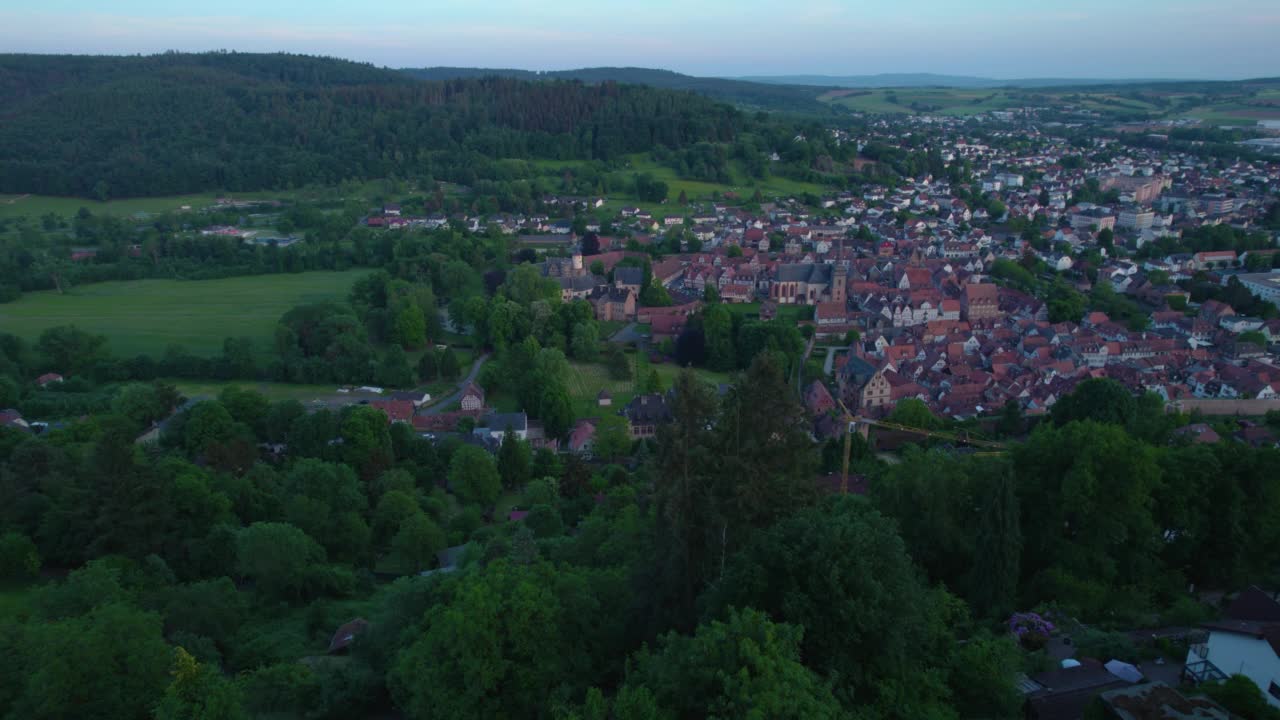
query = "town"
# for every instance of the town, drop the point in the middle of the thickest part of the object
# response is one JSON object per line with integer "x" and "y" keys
{"x": 330, "y": 390}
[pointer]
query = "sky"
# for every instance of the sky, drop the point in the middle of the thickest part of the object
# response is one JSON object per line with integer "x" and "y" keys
{"x": 1209, "y": 39}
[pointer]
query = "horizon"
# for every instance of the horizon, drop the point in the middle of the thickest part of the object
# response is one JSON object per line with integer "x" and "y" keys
{"x": 994, "y": 39}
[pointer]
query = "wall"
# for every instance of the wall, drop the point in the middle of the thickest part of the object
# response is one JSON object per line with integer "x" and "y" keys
{"x": 1240, "y": 654}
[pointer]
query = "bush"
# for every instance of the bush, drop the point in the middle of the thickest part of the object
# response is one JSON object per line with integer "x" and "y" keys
{"x": 1106, "y": 646}
{"x": 19, "y": 558}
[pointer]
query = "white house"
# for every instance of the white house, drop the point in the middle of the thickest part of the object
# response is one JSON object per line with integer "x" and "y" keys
{"x": 1245, "y": 642}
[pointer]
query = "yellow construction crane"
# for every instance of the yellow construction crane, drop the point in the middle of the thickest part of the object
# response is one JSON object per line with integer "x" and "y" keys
{"x": 864, "y": 424}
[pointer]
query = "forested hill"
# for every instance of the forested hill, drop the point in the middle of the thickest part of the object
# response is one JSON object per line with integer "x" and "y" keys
{"x": 794, "y": 98}
{"x": 181, "y": 123}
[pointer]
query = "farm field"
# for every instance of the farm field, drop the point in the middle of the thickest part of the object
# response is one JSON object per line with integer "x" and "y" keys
{"x": 942, "y": 101}
{"x": 147, "y": 316}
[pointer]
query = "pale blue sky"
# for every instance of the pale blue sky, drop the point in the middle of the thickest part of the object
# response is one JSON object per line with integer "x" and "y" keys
{"x": 997, "y": 38}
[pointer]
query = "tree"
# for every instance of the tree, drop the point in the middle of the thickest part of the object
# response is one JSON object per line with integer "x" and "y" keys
{"x": 108, "y": 664}
{"x": 586, "y": 341}
{"x": 767, "y": 460}
{"x": 717, "y": 328}
{"x": 710, "y": 294}
{"x": 746, "y": 666}
{"x": 409, "y": 329}
{"x": 842, "y": 573}
{"x": 493, "y": 650}
{"x": 613, "y": 437}
{"x": 71, "y": 351}
{"x": 473, "y": 476}
{"x": 981, "y": 678}
{"x": 1097, "y": 399}
{"x": 1011, "y": 419}
{"x": 418, "y": 541}
{"x": 449, "y": 369}
{"x": 19, "y": 558}
{"x": 913, "y": 412}
{"x": 617, "y": 363}
{"x": 428, "y": 366}
{"x": 366, "y": 441}
{"x": 278, "y": 557}
{"x": 993, "y": 582}
{"x": 208, "y": 424}
{"x": 687, "y": 520}
{"x": 394, "y": 370}
{"x": 514, "y": 458}
{"x": 1242, "y": 696}
{"x": 199, "y": 692}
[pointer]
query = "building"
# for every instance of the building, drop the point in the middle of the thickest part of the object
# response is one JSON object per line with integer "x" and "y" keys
{"x": 1245, "y": 642}
{"x": 495, "y": 426}
{"x": 806, "y": 284}
{"x": 628, "y": 278}
{"x": 646, "y": 413}
{"x": 1136, "y": 218}
{"x": 472, "y": 397}
{"x": 864, "y": 385}
{"x": 1264, "y": 286}
{"x": 1213, "y": 259}
{"x": 613, "y": 304}
{"x": 981, "y": 302}
{"x": 1217, "y": 204}
{"x": 1095, "y": 218}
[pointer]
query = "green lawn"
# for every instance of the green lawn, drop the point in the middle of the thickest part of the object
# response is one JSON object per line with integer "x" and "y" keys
{"x": 789, "y": 313}
{"x": 38, "y": 205}
{"x": 146, "y": 316}
{"x": 770, "y": 187}
{"x": 273, "y": 391}
{"x": 586, "y": 380}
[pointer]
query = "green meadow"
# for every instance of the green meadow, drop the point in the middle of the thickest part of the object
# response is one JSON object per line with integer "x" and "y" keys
{"x": 147, "y": 316}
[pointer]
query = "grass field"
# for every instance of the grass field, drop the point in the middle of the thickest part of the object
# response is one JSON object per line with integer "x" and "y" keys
{"x": 770, "y": 187}
{"x": 147, "y": 316}
{"x": 587, "y": 380}
{"x": 789, "y": 313}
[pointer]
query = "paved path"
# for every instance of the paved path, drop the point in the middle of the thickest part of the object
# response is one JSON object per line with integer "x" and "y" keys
{"x": 829, "y": 364}
{"x": 439, "y": 406}
{"x": 628, "y": 334}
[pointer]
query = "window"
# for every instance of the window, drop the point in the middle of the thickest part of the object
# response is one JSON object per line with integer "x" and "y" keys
{"x": 1274, "y": 690}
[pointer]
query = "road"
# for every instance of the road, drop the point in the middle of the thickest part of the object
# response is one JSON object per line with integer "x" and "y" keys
{"x": 439, "y": 406}
{"x": 628, "y": 334}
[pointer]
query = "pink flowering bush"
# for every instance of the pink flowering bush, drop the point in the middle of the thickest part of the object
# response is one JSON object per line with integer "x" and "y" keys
{"x": 1031, "y": 629}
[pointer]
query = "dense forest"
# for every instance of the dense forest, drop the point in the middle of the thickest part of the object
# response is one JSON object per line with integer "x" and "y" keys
{"x": 769, "y": 96}
{"x": 177, "y": 123}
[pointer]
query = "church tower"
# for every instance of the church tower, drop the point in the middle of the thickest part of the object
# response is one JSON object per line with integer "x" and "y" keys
{"x": 839, "y": 274}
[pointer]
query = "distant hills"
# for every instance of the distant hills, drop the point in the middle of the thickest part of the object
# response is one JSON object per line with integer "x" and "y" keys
{"x": 902, "y": 80}
{"x": 799, "y": 98}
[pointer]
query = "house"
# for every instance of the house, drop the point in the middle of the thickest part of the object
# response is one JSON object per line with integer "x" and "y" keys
{"x": 604, "y": 399}
{"x": 582, "y": 437}
{"x": 628, "y": 278}
{"x": 472, "y": 397}
{"x": 1213, "y": 258}
{"x": 396, "y": 410}
{"x": 417, "y": 397}
{"x": 1246, "y": 641}
{"x": 494, "y": 427}
{"x": 345, "y": 635}
{"x": 48, "y": 379}
{"x": 11, "y": 418}
{"x": 1064, "y": 694}
{"x": 613, "y": 304}
{"x": 806, "y": 284}
{"x": 646, "y": 413}
{"x": 1198, "y": 433}
{"x": 981, "y": 302}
